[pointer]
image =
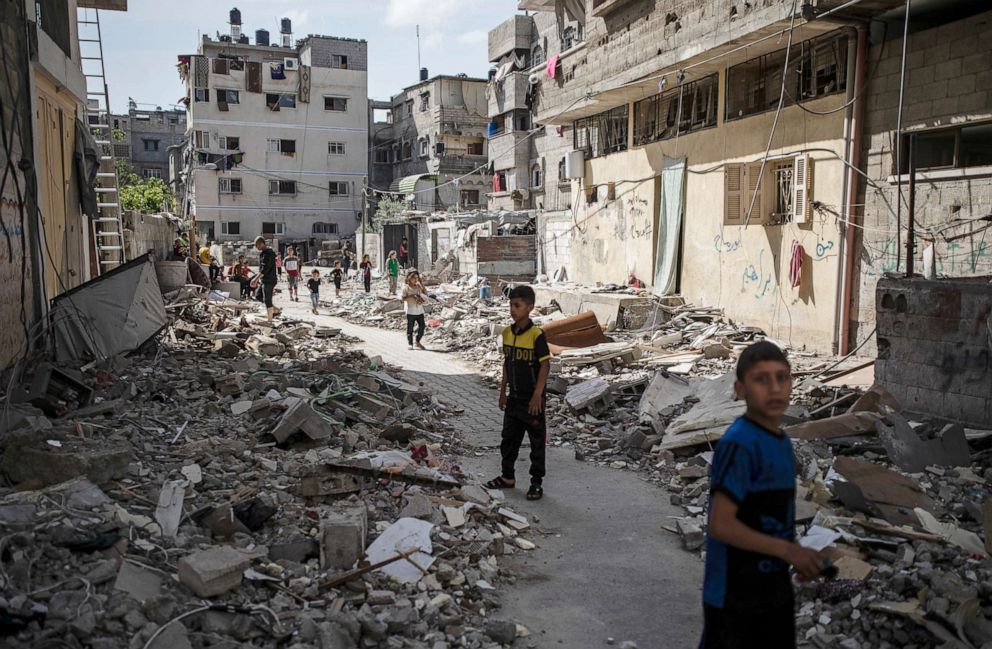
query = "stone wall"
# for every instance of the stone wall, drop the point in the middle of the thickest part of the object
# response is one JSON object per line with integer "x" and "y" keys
{"x": 935, "y": 346}
{"x": 948, "y": 82}
{"x": 511, "y": 257}
{"x": 322, "y": 49}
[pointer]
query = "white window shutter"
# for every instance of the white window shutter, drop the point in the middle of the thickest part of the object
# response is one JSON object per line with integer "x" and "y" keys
{"x": 800, "y": 190}
{"x": 733, "y": 182}
{"x": 754, "y": 185}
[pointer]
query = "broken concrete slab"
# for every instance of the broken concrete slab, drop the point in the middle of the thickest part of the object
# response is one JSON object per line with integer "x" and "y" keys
{"x": 663, "y": 392}
{"x": 691, "y": 533}
{"x": 301, "y": 418}
{"x": 848, "y": 424}
{"x": 593, "y": 396}
{"x": 402, "y": 536}
{"x": 221, "y": 521}
{"x": 265, "y": 345}
{"x": 139, "y": 583}
{"x": 912, "y": 454}
{"x": 950, "y": 532}
{"x": 872, "y": 400}
{"x": 169, "y": 511}
{"x": 717, "y": 407}
{"x": 213, "y": 572}
{"x": 101, "y": 462}
{"x": 343, "y": 536}
{"x": 229, "y": 385}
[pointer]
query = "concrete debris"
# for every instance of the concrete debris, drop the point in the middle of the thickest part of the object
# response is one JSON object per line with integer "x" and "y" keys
{"x": 253, "y": 464}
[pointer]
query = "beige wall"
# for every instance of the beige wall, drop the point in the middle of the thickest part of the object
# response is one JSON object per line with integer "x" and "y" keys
{"x": 744, "y": 269}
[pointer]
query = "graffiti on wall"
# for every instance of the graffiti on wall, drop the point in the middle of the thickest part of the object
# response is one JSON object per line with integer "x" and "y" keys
{"x": 962, "y": 257}
{"x": 757, "y": 280}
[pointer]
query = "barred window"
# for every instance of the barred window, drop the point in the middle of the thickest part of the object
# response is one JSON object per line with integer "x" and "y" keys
{"x": 690, "y": 107}
{"x": 602, "y": 134}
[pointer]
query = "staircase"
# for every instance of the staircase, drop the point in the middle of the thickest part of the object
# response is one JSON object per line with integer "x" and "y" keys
{"x": 108, "y": 229}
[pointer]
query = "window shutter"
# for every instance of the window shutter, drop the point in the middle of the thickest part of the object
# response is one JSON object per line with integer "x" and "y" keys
{"x": 221, "y": 66}
{"x": 254, "y": 77}
{"x": 800, "y": 190}
{"x": 755, "y": 186}
{"x": 733, "y": 182}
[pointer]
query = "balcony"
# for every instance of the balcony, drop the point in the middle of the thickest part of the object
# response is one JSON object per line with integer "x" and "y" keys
{"x": 510, "y": 150}
{"x": 461, "y": 164}
{"x": 509, "y": 95}
{"x": 513, "y": 34}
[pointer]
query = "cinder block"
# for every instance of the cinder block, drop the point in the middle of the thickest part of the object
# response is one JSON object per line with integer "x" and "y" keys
{"x": 213, "y": 572}
{"x": 974, "y": 101}
{"x": 914, "y": 78}
{"x": 343, "y": 535}
{"x": 977, "y": 62}
{"x": 938, "y": 53}
{"x": 948, "y": 69}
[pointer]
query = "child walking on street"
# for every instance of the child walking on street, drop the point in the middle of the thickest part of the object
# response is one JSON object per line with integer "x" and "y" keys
{"x": 747, "y": 589}
{"x": 393, "y": 269}
{"x": 526, "y": 363}
{"x": 413, "y": 304}
{"x": 292, "y": 264}
{"x": 365, "y": 268}
{"x": 336, "y": 274}
{"x": 314, "y": 285}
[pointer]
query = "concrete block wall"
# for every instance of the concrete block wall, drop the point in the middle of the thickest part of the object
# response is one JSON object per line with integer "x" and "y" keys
{"x": 948, "y": 82}
{"x": 935, "y": 346}
{"x": 511, "y": 34}
{"x": 322, "y": 49}
{"x": 512, "y": 256}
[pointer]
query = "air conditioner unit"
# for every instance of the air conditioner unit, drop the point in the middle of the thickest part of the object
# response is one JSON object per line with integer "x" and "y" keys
{"x": 575, "y": 166}
{"x": 291, "y": 64}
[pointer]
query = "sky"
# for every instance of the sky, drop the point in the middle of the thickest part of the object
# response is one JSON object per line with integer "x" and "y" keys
{"x": 141, "y": 45}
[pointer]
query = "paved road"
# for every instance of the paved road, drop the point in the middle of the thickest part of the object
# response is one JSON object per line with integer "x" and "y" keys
{"x": 604, "y": 568}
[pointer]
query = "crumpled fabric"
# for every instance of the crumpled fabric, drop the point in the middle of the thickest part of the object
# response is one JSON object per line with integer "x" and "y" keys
{"x": 552, "y": 68}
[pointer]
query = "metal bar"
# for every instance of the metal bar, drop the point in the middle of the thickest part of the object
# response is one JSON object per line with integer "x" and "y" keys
{"x": 911, "y": 235}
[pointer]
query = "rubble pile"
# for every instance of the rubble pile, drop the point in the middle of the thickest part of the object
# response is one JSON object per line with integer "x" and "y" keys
{"x": 902, "y": 506}
{"x": 237, "y": 483}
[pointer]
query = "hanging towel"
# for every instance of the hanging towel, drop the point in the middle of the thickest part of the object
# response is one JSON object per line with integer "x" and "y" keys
{"x": 496, "y": 185}
{"x": 796, "y": 264}
{"x": 553, "y": 66}
{"x": 277, "y": 70}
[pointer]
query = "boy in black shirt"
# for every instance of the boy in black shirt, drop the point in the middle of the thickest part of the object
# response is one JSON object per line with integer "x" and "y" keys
{"x": 336, "y": 274}
{"x": 747, "y": 590}
{"x": 526, "y": 363}
{"x": 267, "y": 277}
{"x": 314, "y": 285}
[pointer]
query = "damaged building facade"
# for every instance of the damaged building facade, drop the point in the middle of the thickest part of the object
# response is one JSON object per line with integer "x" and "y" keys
{"x": 144, "y": 138}
{"x": 694, "y": 165}
{"x": 277, "y": 135}
{"x": 433, "y": 144}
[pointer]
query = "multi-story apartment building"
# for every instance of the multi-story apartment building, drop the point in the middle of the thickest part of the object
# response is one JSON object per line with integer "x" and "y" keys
{"x": 278, "y": 135}
{"x": 742, "y": 153}
{"x": 527, "y": 157}
{"x": 146, "y": 138}
{"x": 433, "y": 145}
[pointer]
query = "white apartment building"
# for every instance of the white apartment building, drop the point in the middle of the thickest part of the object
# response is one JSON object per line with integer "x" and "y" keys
{"x": 278, "y": 136}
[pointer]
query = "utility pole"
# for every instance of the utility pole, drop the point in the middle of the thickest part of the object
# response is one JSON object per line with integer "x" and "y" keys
{"x": 365, "y": 212}
{"x": 418, "y": 51}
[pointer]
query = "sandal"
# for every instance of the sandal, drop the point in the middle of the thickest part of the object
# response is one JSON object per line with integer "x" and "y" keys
{"x": 499, "y": 483}
{"x": 536, "y": 492}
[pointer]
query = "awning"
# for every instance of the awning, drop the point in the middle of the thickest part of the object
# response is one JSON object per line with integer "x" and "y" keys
{"x": 408, "y": 184}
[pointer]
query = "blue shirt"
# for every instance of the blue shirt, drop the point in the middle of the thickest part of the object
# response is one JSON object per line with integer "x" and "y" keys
{"x": 756, "y": 469}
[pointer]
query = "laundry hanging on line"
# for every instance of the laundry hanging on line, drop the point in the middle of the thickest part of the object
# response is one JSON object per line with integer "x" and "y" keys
{"x": 796, "y": 264}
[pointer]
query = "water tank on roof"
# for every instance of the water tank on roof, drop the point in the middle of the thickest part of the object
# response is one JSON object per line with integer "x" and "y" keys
{"x": 286, "y": 26}
{"x": 423, "y": 74}
{"x": 243, "y": 39}
{"x": 235, "y": 16}
{"x": 261, "y": 37}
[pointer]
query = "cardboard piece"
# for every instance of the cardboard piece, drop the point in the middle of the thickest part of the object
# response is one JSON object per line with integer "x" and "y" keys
{"x": 848, "y": 424}
{"x": 875, "y": 490}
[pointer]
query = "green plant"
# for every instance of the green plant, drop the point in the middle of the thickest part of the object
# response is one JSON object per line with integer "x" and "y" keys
{"x": 148, "y": 195}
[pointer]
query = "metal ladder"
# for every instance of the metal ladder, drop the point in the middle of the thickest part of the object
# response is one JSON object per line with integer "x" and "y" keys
{"x": 108, "y": 229}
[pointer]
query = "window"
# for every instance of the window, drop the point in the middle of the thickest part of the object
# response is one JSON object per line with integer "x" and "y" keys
{"x": 425, "y": 101}
{"x": 325, "y": 228}
{"x": 339, "y": 61}
{"x": 382, "y": 156}
{"x": 201, "y": 94}
{"x": 521, "y": 120}
{"x": 571, "y": 37}
{"x": 151, "y": 173}
{"x": 425, "y": 147}
{"x": 230, "y": 143}
{"x": 230, "y": 227}
{"x": 781, "y": 195}
{"x": 475, "y": 148}
{"x": 953, "y": 148}
{"x": 220, "y": 66}
{"x": 681, "y": 110}
{"x": 150, "y": 145}
{"x": 277, "y": 101}
{"x": 339, "y": 104}
{"x": 537, "y": 56}
{"x": 228, "y": 96}
{"x": 536, "y": 175}
{"x": 407, "y": 151}
{"x": 816, "y": 68}
{"x": 233, "y": 62}
{"x": 229, "y": 186}
{"x": 335, "y": 148}
{"x": 273, "y": 228}
{"x": 281, "y": 187}
{"x": 602, "y": 134}
{"x": 408, "y": 107}
{"x": 561, "y": 171}
{"x": 337, "y": 188}
{"x": 285, "y": 147}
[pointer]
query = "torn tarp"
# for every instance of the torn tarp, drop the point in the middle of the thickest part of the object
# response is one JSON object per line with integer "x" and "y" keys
{"x": 112, "y": 314}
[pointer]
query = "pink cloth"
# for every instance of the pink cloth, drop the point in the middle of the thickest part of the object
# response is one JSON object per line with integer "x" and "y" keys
{"x": 496, "y": 184}
{"x": 796, "y": 264}
{"x": 553, "y": 66}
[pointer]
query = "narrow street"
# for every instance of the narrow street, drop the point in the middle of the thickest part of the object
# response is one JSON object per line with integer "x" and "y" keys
{"x": 605, "y": 568}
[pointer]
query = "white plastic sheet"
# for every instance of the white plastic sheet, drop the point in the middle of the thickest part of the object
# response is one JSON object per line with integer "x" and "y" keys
{"x": 402, "y": 536}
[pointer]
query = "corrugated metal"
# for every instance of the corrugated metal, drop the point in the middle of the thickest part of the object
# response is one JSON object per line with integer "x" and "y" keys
{"x": 408, "y": 184}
